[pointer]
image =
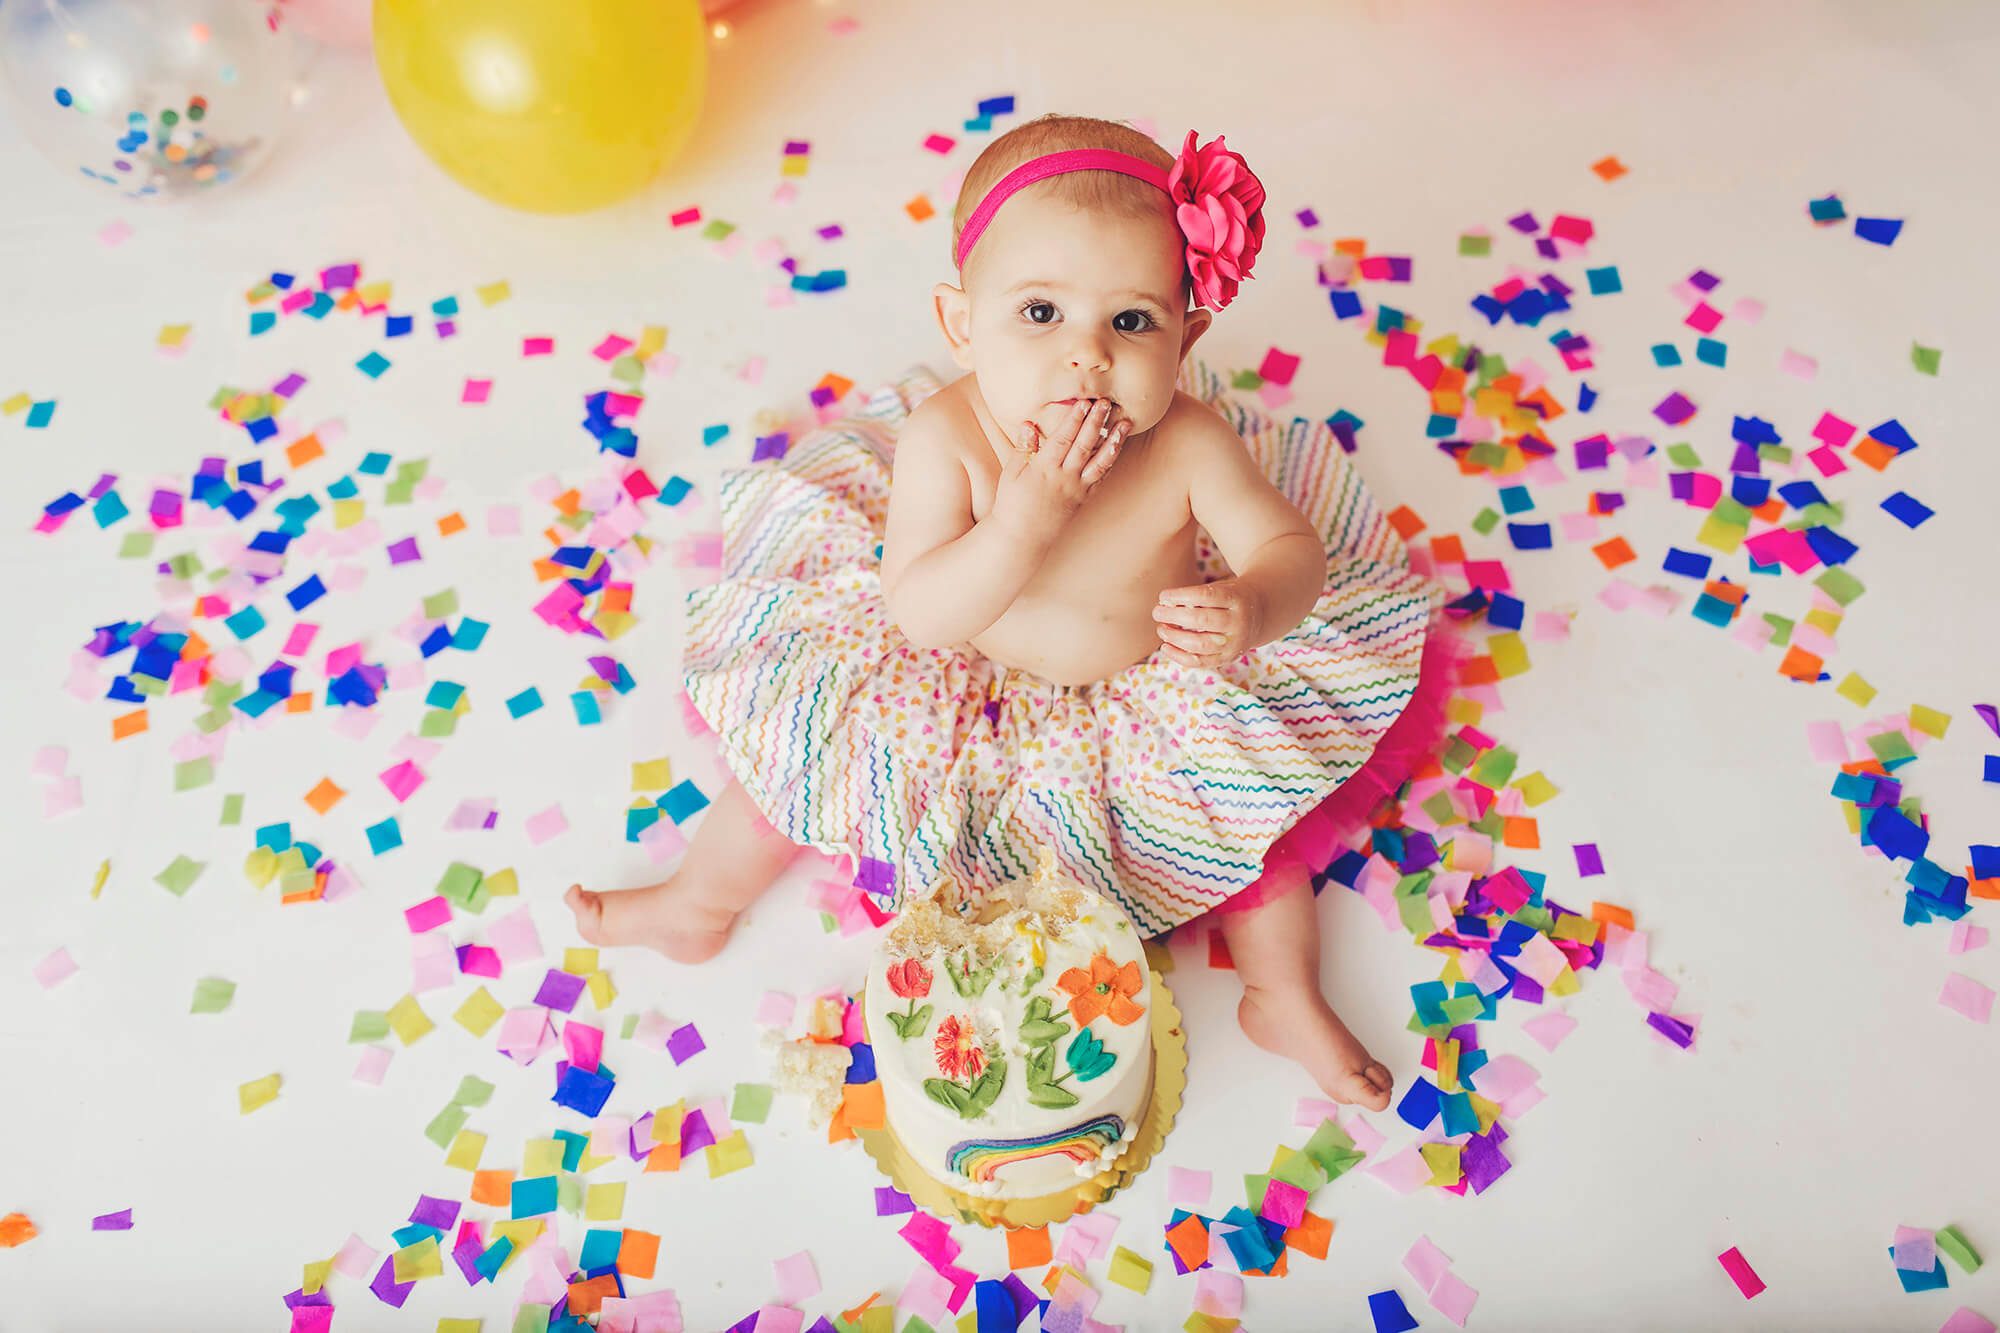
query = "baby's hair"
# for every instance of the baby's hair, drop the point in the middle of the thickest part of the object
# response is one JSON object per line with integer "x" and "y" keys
{"x": 1088, "y": 190}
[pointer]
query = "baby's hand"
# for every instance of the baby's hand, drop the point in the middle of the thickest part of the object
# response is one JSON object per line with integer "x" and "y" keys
{"x": 1210, "y": 624}
{"x": 1052, "y": 474}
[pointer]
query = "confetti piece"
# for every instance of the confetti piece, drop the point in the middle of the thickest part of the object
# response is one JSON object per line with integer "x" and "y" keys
{"x": 212, "y": 995}
{"x": 1963, "y": 995}
{"x": 1925, "y": 359}
{"x": 53, "y": 970}
{"x": 118, "y": 1221}
{"x": 1386, "y": 1308}
{"x": 16, "y": 1229}
{"x": 257, "y": 1092}
{"x": 1740, "y": 1272}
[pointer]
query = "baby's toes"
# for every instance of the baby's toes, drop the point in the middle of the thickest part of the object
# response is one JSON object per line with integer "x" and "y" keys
{"x": 588, "y": 908}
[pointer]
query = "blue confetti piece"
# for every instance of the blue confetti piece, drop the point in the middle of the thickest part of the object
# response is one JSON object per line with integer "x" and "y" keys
{"x": 1604, "y": 281}
{"x": 385, "y": 836}
{"x": 526, "y": 702}
{"x": 372, "y": 365}
{"x": 1386, "y": 1308}
{"x": 1882, "y": 231}
{"x": 1666, "y": 354}
{"x": 1907, "y": 510}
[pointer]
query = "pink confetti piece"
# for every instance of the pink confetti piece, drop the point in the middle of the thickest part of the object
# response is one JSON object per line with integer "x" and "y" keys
{"x": 1798, "y": 365}
{"x": 51, "y": 761}
{"x": 1963, "y": 995}
{"x": 1914, "y": 1249}
{"x": 939, "y": 143}
{"x": 1215, "y": 1293}
{"x": 374, "y": 1063}
{"x": 53, "y": 970}
{"x": 613, "y": 347}
{"x": 1426, "y": 1263}
{"x": 114, "y": 233}
{"x": 777, "y": 1009}
{"x": 1189, "y": 1188}
{"x": 796, "y": 1278}
{"x": 62, "y": 797}
{"x": 1310, "y": 1111}
{"x": 546, "y": 824}
{"x": 1452, "y": 1298}
{"x": 1548, "y": 1030}
{"x": 476, "y": 391}
{"x": 356, "y": 1257}
{"x": 1965, "y": 937}
{"x": 686, "y": 217}
{"x": 1740, "y": 1272}
{"x": 843, "y": 26}
{"x": 542, "y": 346}
{"x": 1965, "y": 1320}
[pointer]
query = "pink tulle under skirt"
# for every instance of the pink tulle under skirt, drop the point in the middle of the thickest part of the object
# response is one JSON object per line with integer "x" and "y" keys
{"x": 1323, "y": 832}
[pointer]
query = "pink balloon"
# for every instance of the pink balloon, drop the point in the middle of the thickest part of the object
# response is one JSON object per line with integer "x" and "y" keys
{"x": 345, "y": 23}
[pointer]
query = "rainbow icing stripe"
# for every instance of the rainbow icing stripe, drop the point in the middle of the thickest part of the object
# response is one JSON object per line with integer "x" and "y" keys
{"x": 978, "y": 1159}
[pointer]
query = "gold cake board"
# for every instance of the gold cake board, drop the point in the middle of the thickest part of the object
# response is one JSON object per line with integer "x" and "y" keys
{"x": 1169, "y": 1083}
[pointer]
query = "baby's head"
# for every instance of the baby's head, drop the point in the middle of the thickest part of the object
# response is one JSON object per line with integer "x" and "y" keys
{"x": 1078, "y": 285}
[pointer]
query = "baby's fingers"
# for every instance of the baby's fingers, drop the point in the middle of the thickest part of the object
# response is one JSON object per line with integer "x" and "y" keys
{"x": 1093, "y": 433}
{"x": 1101, "y": 462}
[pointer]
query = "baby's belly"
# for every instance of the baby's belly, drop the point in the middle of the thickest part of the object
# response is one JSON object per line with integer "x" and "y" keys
{"x": 1071, "y": 637}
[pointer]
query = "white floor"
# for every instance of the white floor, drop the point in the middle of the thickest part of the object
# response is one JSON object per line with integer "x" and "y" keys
{"x": 1829, "y": 1098}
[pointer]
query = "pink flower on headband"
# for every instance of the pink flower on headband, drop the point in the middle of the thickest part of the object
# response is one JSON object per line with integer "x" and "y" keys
{"x": 1219, "y": 204}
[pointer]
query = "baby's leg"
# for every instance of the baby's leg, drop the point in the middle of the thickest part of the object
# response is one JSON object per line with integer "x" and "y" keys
{"x": 734, "y": 857}
{"x": 1275, "y": 946}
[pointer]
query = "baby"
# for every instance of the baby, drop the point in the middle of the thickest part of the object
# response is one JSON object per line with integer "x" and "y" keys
{"x": 1042, "y": 658}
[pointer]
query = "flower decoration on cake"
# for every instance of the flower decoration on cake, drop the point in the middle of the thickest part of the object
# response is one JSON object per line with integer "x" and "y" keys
{"x": 1105, "y": 989}
{"x": 960, "y": 1056}
{"x": 973, "y": 1071}
{"x": 910, "y": 980}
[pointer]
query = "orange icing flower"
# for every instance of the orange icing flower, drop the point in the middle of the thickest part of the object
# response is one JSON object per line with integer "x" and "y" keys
{"x": 1104, "y": 990}
{"x": 959, "y": 1054}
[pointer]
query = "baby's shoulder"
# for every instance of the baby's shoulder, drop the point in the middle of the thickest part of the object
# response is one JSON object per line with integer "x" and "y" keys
{"x": 1192, "y": 430}
{"x": 940, "y": 422}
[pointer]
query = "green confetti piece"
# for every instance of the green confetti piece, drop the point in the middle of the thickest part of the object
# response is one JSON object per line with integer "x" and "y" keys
{"x": 1247, "y": 381}
{"x": 368, "y": 1025}
{"x": 1925, "y": 359}
{"x": 135, "y": 546}
{"x": 444, "y": 1126}
{"x": 440, "y": 605}
{"x": 1683, "y": 455}
{"x": 1840, "y": 585}
{"x": 437, "y": 723}
{"x": 1475, "y": 247}
{"x": 1485, "y": 521}
{"x": 751, "y": 1104}
{"x": 232, "y": 809}
{"x": 472, "y": 1091}
{"x": 212, "y": 995}
{"x": 194, "y": 773}
{"x": 1951, "y": 1243}
{"x": 531, "y": 1319}
{"x": 459, "y": 882}
{"x": 179, "y": 877}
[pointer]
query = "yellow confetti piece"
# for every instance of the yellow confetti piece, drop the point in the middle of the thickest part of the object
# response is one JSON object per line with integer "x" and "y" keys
{"x": 652, "y": 775}
{"x": 466, "y": 1150}
{"x": 1855, "y": 690}
{"x": 730, "y": 1154}
{"x": 315, "y": 1276}
{"x": 408, "y": 1020}
{"x": 605, "y": 1203}
{"x": 1823, "y": 620}
{"x": 1535, "y": 788}
{"x": 420, "y": 1260}
{"x": 1929, "y": 721}
{"x": 651, "y": 343}
{"x": 257, "y": 1092}
{"x": 579, "y": 962}
{"x": 458, "y": 1326}
{"x": 1129, "y": 1270}
{"x": 1443, "y": 1161}
{"x": 374, "y": 293}
{"x": 103, "y": 873}
{"x": 602, "y": 992}
{"x": 541, "y": 1157}
{"x": 174, "y": 336}
{"x": 1509, "y": 652}
{"x": 17, "y": 404}
{"x": 493, "y": 293}
{"x": 501, "y": 884}
{"x": 479, "y": 1012}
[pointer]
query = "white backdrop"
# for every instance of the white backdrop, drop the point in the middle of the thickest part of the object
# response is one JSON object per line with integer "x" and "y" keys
{"x": 1829, "y": 1097}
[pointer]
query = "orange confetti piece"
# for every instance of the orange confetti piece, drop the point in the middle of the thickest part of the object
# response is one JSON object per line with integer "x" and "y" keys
{"x": 1612, "y": 915}
{"x": 493, "y": 1187}
{"x": 586, "y": 1296}
{"x": 1480, "y": 670}
{"x": 1028, "y": 1247}
{"x": 1609, "y": 168}
{"x": 1405, "y": 521}
{"x": 638, "y": 1253}
{"x": 840, "y": 384}
{"x": 1352, "y": 246}
{"x": 304, "y": 450}
{"x": 451, "y": 523}
{"x": 1520, "y": 831}
{"x": 1312, "y": 1235}
{"x": 1189, "y": 1239}
{"x": 1800, "y": 665}
{"x": 920, "y": 209}
{"x": 1874, "y": 453}
{"x": 16, "y": 1229}
{"x": 666, "y": 1157}
{"x": 301, "y": 702}
{"x": 324, "y": 795}
{"x": 1448, "y": 549}
{"x": 861, "y": 1103}
{"x": 128, "y": 724}
{"x": 1614, "y": 553}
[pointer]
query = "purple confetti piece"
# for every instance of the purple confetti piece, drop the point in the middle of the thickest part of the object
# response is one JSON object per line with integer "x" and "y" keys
{"x": 118, "y": 1221}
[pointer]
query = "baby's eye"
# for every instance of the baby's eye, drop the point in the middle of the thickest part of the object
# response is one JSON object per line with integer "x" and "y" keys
{"x": 1039, "y": 312}
{"x": 1132, "y": 321}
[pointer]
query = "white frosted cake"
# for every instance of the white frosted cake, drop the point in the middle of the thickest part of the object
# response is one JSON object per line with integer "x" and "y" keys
{"x": 1012, "y": 1035}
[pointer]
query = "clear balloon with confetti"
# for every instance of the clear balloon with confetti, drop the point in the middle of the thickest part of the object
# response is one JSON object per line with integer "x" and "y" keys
{"x": 155, "y": 99}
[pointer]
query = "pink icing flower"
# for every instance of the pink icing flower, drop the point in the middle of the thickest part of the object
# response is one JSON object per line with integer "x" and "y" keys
{"x": 1219, "y": 204}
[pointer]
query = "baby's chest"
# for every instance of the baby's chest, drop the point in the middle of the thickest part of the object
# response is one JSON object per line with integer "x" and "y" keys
{"x": 1126, "y": 527}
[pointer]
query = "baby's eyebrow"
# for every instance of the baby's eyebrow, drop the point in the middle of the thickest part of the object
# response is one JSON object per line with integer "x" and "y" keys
{"x": 1051, "y": 285}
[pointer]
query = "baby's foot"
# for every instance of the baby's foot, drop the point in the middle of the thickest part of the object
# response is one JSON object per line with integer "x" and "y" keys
{"x": 1297, "y": 1023}
{"x": 669, "y": 916}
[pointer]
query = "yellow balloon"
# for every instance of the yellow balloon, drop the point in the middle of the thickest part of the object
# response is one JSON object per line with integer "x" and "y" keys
{"x": 553, "y": 106}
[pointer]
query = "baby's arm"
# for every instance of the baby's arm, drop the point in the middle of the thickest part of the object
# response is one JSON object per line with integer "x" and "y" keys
{"x": 1277, "y": 556}
{"x": 945, "y": 577}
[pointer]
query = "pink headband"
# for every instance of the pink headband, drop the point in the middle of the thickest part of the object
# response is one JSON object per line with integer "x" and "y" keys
{"x": 1218, "y": 205}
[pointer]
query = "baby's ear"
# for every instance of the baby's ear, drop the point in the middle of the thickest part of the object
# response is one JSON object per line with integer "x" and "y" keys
{"x": 954, "y": 316}
{"x": 1196, "y": 324}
